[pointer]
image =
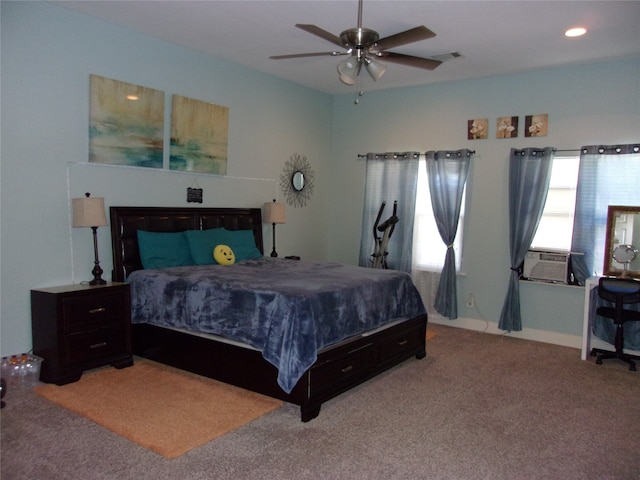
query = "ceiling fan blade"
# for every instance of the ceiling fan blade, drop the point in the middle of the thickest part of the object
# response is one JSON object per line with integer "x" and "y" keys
{"x": 409, "y": 60}
{"x": 413, "y": 35}
{"x": 314, "y": 54}
{"x": 319, "y": 32}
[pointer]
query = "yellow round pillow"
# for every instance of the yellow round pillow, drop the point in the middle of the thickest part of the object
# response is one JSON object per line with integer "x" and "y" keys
{"x": 224, "y": 255}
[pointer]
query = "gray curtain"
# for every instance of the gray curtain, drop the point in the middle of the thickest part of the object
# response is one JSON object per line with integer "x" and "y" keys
{"x": 447, "y": 175}
{"x": 390, "y": 177}
{"x": 608, "y": 175}
{"x": 529, "y": 174}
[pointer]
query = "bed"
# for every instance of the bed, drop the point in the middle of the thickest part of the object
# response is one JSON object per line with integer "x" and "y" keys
{"x": 290, "y": 358}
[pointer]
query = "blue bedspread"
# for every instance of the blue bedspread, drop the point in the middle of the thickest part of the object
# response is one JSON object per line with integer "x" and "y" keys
{"x": 287, "y": 309}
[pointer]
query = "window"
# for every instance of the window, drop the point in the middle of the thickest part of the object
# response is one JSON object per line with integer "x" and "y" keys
{"x": 601, "y": 184}
{"x": 556, "y": 225}
{"x": 390, "y": 177}
{"x": 429, "y": 250}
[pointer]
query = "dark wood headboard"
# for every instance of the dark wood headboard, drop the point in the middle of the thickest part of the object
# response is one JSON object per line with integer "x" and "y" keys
{"x": 126, "y": 221}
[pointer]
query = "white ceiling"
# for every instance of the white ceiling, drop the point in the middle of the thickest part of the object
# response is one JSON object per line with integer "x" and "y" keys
{"x": 494, "y": 37}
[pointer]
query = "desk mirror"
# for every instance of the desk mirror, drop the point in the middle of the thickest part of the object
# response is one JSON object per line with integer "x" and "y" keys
{"x": 621, "y": 258}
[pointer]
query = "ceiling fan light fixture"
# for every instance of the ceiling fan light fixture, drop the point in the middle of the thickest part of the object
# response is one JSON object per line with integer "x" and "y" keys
{"x": 375, "y": 68}
{"x": 348, "y": 71}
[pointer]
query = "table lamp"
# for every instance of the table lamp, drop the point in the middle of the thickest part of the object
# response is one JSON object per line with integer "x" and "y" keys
{"x": 89, "y": 212}
{"x": 273, "y": 212}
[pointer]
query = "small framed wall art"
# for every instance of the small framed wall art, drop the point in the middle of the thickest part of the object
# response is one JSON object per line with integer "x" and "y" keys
{"x": 507, "y": 127}
{"x": 536, "y": 125}
{"x": 477, "y": 128}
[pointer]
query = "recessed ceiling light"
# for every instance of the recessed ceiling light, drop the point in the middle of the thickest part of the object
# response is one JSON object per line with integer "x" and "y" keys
{"x": 132, "y": 97}
{"x": 575, "y": 32}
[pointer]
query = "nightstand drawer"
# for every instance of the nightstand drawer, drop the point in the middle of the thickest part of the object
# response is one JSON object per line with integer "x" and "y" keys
{"x": 89, "y": 311}
{"x": 95, "y": 344}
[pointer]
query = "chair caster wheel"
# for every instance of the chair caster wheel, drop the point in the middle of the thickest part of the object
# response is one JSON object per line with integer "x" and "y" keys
{"x": 599, "y": 361}
{"x": 632, "y": 368}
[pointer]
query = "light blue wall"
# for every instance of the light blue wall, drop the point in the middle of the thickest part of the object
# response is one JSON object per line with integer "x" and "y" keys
{"x": 48, "y": 54}
{"x": 587, "y": 104}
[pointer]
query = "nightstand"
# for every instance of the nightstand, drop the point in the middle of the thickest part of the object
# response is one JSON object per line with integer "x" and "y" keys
{"x": 79, "y": 327}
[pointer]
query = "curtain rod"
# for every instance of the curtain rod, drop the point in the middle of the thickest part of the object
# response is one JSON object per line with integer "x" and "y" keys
{"x": 360, "y": 155}
{"x": 555, "y": 150}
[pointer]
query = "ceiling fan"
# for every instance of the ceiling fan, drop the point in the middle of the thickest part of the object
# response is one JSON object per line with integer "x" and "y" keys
{"x": 365, "y": 47}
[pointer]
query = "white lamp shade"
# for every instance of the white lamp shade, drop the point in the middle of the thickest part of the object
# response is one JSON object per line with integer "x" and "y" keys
{"x": 88, "y": 212}
{"x": 348, "y": 71}
{"x": 273, "y": 212}
{"x": 375, "y": 69}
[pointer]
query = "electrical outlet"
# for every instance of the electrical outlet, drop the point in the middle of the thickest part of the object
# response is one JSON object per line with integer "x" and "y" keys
{"x": 471, "y": 302}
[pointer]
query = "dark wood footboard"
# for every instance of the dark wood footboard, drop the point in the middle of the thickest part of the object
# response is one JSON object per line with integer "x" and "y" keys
{"x": 336, "y": 370}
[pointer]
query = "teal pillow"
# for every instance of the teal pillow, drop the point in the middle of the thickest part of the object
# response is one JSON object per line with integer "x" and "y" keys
{"x": 202, "y": 242}
{"x": 243, "y": 244}
{"x": 163, "y": 249}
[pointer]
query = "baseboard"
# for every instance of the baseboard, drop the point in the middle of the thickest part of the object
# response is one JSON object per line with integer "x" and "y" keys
{"x": 555, "y": 338}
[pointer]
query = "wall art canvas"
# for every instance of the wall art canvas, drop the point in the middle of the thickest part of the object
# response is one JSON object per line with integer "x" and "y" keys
{"x": 477, "y": 129}
{"x": 126, "y": 124}
{"x": 536, "y": 125}
{"x": 507, "y": 127}
{"x": 199, "y": 136}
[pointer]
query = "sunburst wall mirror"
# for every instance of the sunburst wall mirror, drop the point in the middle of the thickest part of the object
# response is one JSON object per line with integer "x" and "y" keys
{"x": 296, "y": 181}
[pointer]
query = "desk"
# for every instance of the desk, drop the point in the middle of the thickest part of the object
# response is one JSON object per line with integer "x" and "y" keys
{"x": 589, "y": 340}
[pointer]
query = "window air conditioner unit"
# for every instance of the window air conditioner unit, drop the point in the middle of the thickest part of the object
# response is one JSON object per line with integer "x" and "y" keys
{"x": 546, "y": 266}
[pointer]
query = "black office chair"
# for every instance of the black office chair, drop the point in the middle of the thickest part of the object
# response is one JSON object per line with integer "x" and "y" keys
{"x": 621, "y": 292}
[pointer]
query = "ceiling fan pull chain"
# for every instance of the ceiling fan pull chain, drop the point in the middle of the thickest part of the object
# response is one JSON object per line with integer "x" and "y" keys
{"x": 359, "y": 91}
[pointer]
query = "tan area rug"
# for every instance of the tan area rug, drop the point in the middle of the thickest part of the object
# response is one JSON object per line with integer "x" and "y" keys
{"x": 161, "y": 408}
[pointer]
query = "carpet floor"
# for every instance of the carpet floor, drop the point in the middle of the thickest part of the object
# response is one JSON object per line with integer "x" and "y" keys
{"x": 478, "y": 407}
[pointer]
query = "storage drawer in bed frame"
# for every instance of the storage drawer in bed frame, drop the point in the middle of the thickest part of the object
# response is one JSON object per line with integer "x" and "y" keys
{"x": 339, "y": 369}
